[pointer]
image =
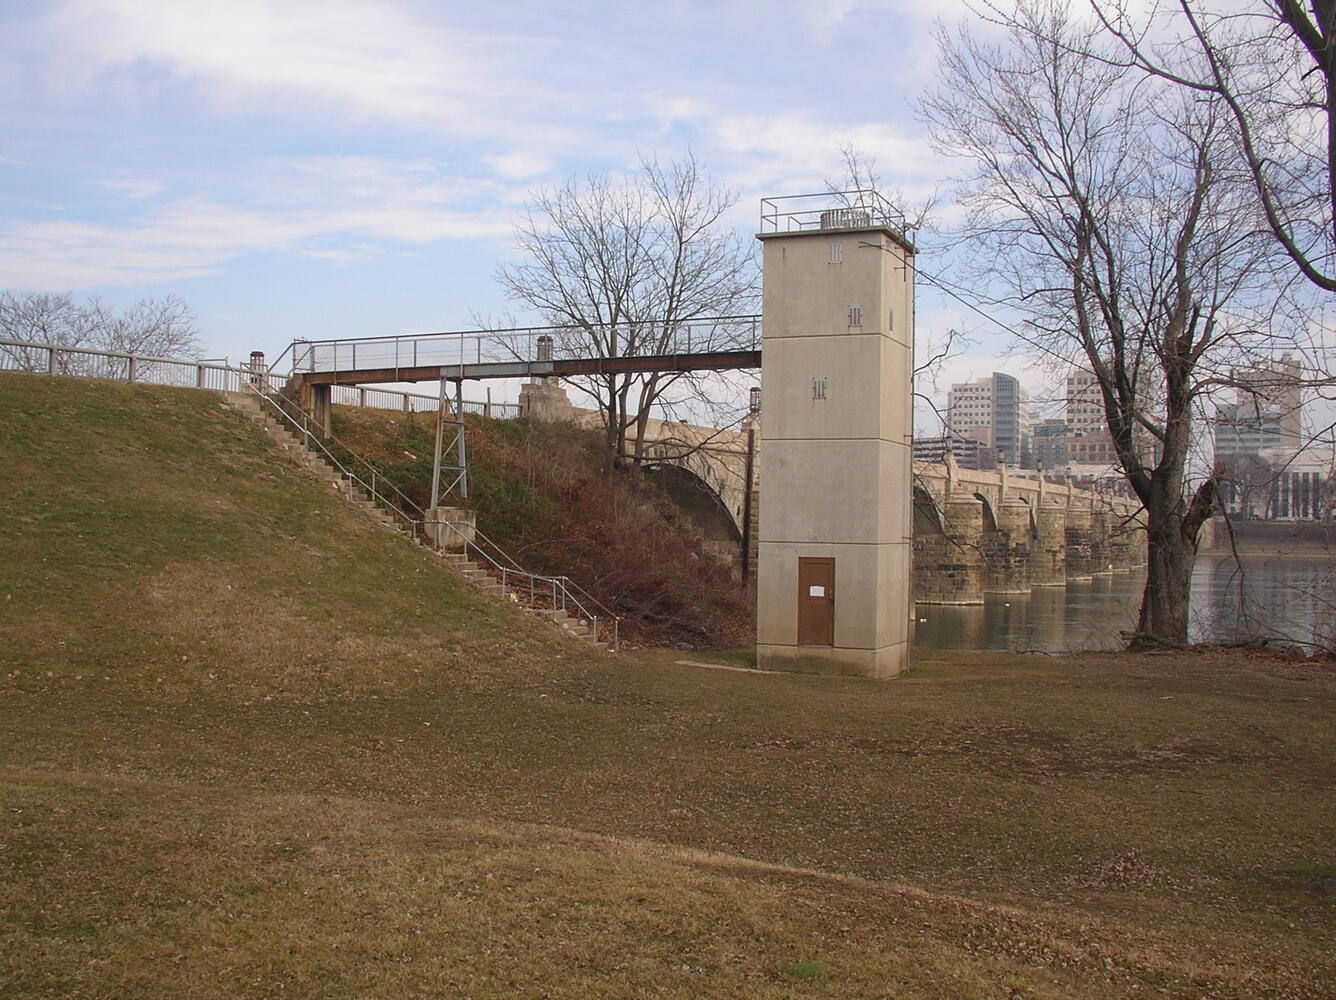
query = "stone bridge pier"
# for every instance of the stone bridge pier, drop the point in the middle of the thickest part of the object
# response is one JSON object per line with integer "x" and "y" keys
{"x": 1008, "y": 549}
{"x": 948, "y": 550}
{"x": 1081, "y": 554}
{"x": 1048, "y": 559}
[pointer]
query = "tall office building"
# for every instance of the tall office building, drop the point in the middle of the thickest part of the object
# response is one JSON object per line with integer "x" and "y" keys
{"x": 1088, "y": 439}
{"x": 995, "y": 411}
{"x": 1089, "y": 442}
{"x": 1048, "y": 444}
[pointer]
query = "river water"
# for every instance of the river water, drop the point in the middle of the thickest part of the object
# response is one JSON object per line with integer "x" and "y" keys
{"x": 1282, "y": 597}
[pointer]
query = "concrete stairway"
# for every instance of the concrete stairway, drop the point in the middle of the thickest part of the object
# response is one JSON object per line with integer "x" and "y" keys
{"x": 287, "y": 439}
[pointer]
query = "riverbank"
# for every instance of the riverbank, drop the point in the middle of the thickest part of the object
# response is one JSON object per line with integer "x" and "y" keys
{"x": 1299, "y": 539}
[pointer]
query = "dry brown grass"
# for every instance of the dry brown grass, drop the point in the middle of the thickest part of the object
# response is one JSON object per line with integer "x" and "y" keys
{"x": 541, "y": 494}
{"x": 251, "y": 747}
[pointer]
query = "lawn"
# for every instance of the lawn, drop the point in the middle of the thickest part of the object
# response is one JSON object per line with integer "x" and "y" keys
{"x": 252, "y": 745}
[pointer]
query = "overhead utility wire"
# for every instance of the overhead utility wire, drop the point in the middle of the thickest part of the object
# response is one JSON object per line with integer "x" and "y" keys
{"x": 944, "y": 286}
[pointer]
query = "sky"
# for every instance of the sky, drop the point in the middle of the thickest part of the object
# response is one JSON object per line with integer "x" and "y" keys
{"x": 355, "y": 168}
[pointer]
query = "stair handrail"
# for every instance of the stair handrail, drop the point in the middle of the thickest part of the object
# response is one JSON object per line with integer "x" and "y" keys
{"x": 590, "y": 598}
{"x": 377, "y": 475}
{"x": 500, "y": 552}
{"x": 309, "y": 439}
{"x": 559, "y": 588}
{"x": 565, "y": 581}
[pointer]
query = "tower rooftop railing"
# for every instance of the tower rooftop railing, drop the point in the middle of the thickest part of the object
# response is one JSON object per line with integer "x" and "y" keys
{"x": 856, "y": 208}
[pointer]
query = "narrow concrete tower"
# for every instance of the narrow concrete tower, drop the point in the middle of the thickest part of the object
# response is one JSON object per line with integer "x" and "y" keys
{"x": 836, "y": 531}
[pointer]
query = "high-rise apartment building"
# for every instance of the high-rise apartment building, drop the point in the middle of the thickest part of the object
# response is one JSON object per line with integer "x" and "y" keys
{"x": 995, "y": 411}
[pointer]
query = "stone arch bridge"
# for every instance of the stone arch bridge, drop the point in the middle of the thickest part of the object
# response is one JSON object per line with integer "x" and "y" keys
{"x": 975, "y": 532}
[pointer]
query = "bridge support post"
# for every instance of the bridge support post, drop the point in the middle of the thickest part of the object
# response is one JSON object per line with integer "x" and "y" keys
{"x": 1048, "y": 563}
{"x": 948, "y": 561}
{"x": 1009, "y": 548}
{"x": 315, "y": 399}
{"x": 836, "y": 531}
{"x": 1080, "y": 559}
{"x": 1101, "y": 541}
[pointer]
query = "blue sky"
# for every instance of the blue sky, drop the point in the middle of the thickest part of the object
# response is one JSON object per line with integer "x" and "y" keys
{"x": 347, "y": 167}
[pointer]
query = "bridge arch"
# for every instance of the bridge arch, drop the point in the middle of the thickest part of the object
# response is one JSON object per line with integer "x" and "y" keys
{"x": 698, "y": 499}
{"x": 928, "y": 518}
{"x": 989, "y": 513}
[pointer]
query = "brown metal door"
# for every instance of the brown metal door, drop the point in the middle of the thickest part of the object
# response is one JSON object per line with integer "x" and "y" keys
{"x": 816, "y": 602}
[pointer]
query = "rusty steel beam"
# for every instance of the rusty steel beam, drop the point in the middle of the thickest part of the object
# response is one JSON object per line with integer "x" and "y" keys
{"x": 421, "y": 373}
{"x": 713, "y": 361}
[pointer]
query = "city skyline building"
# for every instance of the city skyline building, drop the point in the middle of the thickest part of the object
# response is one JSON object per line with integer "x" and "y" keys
{"x": 1266, "y": 414}
{"x": 1048, "y": 444}
{"x": 1088, "y": 441}
{"x": 995, "y": 411}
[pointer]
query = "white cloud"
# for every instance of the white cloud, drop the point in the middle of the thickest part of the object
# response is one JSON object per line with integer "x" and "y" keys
{"x": 833, "y": 14}
{"x": 341, "y": 209}
{"x": 364, "y": 60}
{"x": 798, "y": 151}
{"x": 136, "y": 188}
{"x": 519, "y": 164}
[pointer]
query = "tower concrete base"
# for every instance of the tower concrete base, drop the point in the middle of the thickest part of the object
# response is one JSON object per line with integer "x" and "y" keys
{"x": 884, "y": 663}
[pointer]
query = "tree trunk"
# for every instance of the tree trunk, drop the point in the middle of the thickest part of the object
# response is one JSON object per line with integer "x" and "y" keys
{"x": 610, "y": 448}
{"x": 1171, "y": 554}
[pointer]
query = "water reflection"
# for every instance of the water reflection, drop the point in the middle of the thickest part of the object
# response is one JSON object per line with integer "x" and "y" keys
{"x": 1284, "y": 598}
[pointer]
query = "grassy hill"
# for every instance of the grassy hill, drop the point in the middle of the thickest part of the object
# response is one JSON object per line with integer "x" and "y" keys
{"x": 252, "y": 745}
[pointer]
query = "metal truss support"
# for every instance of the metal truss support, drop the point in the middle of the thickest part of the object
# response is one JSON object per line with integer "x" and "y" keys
{"x": 449, "y": 467}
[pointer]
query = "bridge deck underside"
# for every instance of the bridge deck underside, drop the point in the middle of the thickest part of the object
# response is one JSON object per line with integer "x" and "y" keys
{"x": 713, "y": 361}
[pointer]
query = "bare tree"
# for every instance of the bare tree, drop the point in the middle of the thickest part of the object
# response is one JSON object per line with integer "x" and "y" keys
{"x": 625, "y": 266}
{"x": 41, "y": 318}
{"x": 1105, "y": 211}
{"x": 1245, "y": 484}
{"x": 163, "y": 328}
{"x": 1272, "y": 65}
{"x": 862, "y": 179}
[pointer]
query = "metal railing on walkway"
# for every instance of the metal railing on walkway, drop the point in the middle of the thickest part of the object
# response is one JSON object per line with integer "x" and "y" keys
{"x": 119, "y": 366}
{"x": 377, "y": 398}
{"x": 457, "y": 348}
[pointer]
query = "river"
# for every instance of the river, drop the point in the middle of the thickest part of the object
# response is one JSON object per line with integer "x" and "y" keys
{"x": 1283, "y": 597}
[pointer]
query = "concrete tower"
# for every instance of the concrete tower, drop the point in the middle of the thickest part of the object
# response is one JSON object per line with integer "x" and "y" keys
{"x": 836, "y": 531}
